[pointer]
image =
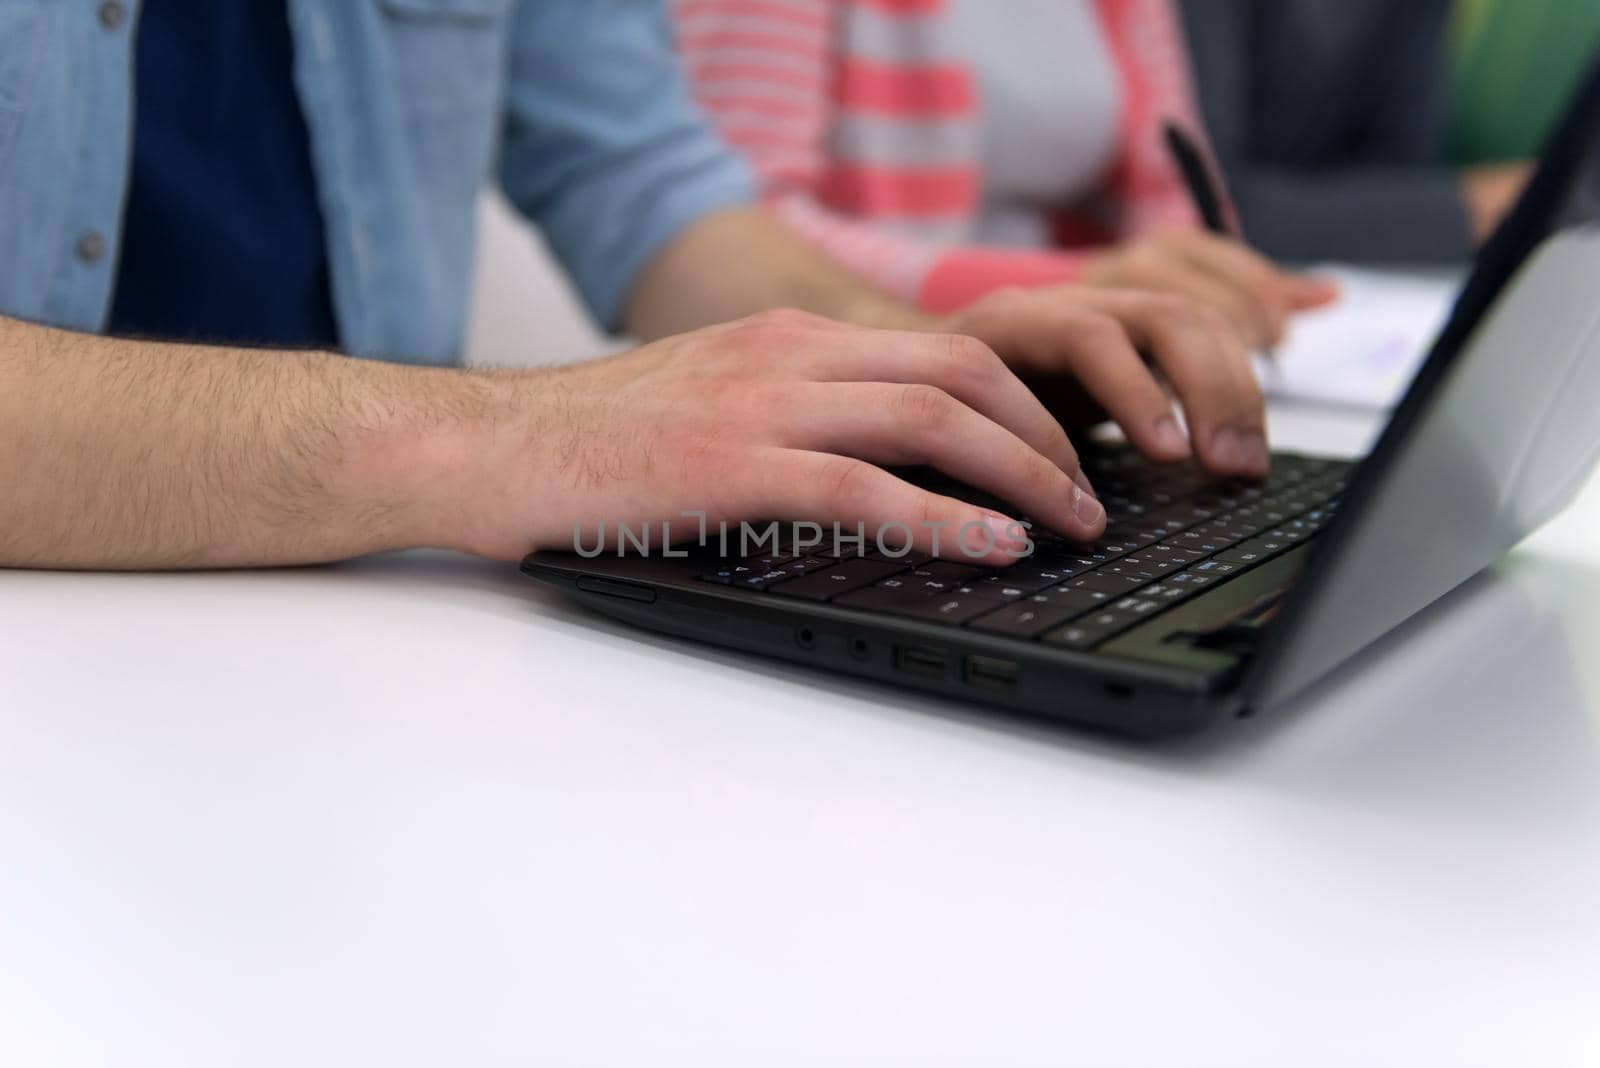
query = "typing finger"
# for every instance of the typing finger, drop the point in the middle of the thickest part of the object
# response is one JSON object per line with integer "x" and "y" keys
{"x": 921, "y": 424}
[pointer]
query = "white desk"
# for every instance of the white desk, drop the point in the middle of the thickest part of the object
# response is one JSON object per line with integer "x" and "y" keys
{"x": 417, "y": 810}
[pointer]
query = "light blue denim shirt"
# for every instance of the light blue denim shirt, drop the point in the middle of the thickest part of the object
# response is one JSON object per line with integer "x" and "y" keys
{"x": 410, "y": 104}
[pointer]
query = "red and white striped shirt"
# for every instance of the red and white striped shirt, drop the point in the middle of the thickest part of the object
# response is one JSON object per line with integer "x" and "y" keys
{"x": 862, "y": 126}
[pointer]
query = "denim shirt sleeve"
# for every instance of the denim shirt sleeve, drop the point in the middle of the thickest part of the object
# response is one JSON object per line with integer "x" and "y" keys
{"x": 603, "y": 147}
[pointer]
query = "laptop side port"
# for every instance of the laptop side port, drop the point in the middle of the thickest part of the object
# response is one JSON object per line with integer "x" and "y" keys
{"x": 991, "y": 673}
{"x": 915, "y": 660}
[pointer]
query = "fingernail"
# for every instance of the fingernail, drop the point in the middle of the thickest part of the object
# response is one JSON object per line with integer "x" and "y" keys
{"x": 1086, "y": 508}
{"x": 1170, "y": 437}
{"x": 1257, "y": 456}
{"x": 1227, "y": 449}
{"x": 1005, "y": 533}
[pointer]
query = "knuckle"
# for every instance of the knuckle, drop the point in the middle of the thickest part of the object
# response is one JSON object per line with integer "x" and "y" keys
{"x": 1214, "y": 320}
{"x": 785, "y": 317}
{"x": 1101, "y": 331}
{"x": 1170, "y": 237}
{"x": 1010, "y": 297}
{"x": 847, "y": 484}
{"x": 725, "y": 388}
{"x": 926, "y": 510}
{"x": 1041, "y": 475}
{"x": 704, "y": 459}
{"x": 1147, "y": 255}
{"x": 777, "y": 324}
{"x": 1243, "y": 315}
{"x": 1178, "y": 312}
{"x": 971, "y": 360}
{"x": 965, "y": 349}
{"x": 924, "y": 407}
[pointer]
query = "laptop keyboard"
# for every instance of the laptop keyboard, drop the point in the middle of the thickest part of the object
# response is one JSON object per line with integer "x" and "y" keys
{"x": 1171, "y": 533}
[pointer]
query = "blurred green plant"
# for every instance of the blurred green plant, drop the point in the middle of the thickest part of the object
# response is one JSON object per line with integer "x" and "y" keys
{"x": 1513, "y": 65}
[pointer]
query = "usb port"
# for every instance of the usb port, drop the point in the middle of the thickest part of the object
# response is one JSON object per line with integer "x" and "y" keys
{"x": 991, "y": 672}
{"x": 929, "y": 663}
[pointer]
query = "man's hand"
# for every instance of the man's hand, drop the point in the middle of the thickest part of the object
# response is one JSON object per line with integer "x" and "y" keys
{"x": 781, "y": 416}
{"x": 1195, "y": 305}
{"x": 139, "y": 455}
{"x": 1080, "y": 348}
{"x": 1256, "y": 296}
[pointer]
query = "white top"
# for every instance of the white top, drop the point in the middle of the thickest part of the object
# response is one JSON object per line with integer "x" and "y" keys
{"x": 420, "y": 811}
{"x": 1051, "y": 99}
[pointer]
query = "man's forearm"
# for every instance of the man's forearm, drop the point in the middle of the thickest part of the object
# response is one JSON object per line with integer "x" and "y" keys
{"x": 745, "y": 260}
{"x": 119, "y": 454}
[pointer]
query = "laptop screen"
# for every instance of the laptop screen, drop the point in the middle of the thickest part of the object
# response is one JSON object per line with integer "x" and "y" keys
{"x": 1498, "y": 432}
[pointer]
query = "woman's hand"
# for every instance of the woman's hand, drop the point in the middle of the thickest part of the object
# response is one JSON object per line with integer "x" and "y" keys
{"x": 1255, "y": 295}
{"x": 1091, "y": 352}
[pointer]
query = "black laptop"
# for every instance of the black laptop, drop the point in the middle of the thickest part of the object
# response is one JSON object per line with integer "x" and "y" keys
{"x": 1207, "y": 600}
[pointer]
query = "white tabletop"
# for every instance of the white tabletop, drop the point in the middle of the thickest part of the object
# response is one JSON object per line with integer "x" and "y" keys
{"x": 417, "y": 810}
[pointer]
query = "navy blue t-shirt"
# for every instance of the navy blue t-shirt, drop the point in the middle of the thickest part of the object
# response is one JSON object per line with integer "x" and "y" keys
{"x": 223, "y": 236}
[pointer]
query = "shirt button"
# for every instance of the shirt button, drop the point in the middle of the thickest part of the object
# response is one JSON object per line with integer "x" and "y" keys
{"x": 90, "y": 247}
{"x": 112, "y": 13}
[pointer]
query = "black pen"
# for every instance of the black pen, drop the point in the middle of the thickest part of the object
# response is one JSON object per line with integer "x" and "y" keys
{"x": 1197, "y": 178}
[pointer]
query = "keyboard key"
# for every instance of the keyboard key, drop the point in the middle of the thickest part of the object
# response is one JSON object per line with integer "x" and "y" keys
{"x": 1174, "y": 553}
{"x": 1246, "y": 526}
{"x": 1140, "y": 537}
{"x": 1027, "y": 619}
{"x": 1232, "y": 533}
{"x": 947, "y": 569}
{"x": 1254, "y": 551}
{"x": 952, "y": 569}
{"x": 1151, "y": 563}
{"x": 1080, "y": 600}
{"x": 1194, "y": 580}
{"x": 764, "y": 581}
{"x": 1109, "y": 583}
{"x": 1032, "y": 576}
{"x": 1064, "y": 559}
{"x": 1073, "y": 566}
{"x": 911, "y": 559}
{"x": 732, "y": 573}
{"x": 1196, "y": 542}
{"x": 843, "y": 549}
{"x": 770, "y": 561}
{"x": 846, "y": 576}
{"x": 1076, "y": 636}
{"x": 1123, "y": 569}
{"x": 914, "y": 605}
{"x": 1092, "y": 629}
{"x": 991, "y": 590}
{"x": 794, "y": 565}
